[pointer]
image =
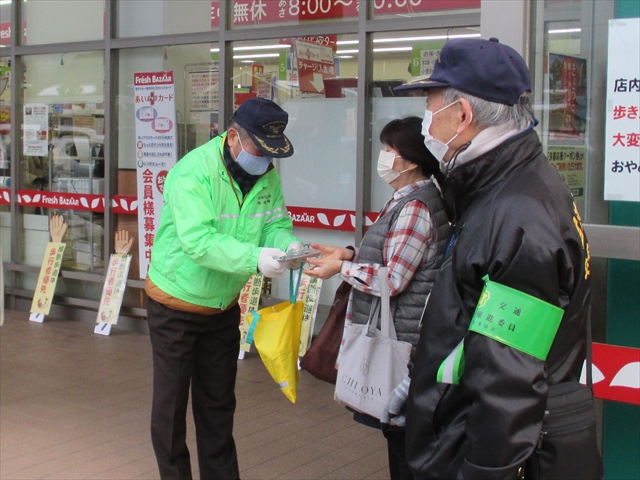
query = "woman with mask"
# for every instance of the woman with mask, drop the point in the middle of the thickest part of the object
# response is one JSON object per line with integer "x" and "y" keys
{"x": 409, "y": 237}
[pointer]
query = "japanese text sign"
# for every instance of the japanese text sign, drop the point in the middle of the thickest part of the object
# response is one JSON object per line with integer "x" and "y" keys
{"x": 256, "y": 12}
{"x": 622, "y": 138}
{"x": 113, "y": 288}
{"x": 248, "y": 301}
{"x": 49, "y": 271}
{"x": 156, "y": 151}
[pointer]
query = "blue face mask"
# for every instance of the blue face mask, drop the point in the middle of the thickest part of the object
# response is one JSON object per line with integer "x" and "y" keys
{"x": 252, "y": 164}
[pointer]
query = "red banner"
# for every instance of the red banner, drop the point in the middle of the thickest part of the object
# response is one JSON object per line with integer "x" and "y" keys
{"x": 5, "y": 32}
{"x": 70, "y": 201}
{"x": 616, "y": 373}
{"x": 306, "y": 217}
{"x": 259, "y": 12}
{"x": 327, "y": 219}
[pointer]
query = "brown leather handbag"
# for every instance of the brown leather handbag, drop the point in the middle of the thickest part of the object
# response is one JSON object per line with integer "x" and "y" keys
{"x": 320, "y": 359}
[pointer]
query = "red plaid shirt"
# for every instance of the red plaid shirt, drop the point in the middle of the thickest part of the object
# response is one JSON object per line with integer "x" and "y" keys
{"x": 409, "y": 244}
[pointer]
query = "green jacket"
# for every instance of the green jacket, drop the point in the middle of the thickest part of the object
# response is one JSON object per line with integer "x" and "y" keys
{"x": 207, "y": 246}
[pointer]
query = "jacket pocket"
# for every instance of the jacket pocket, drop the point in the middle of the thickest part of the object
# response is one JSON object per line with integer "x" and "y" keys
{"x": 567, "y": 447}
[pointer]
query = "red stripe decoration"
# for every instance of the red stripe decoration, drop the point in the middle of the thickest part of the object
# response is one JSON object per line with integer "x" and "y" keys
{"x": 616, "y": 373}
{"x": 304, "y": 217}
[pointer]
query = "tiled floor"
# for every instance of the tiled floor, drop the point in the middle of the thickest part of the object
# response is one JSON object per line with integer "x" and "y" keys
{"x": 75, "y": 405}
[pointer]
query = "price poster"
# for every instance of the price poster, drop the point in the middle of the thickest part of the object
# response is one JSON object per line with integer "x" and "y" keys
{"x": 567, "y": 97}
{"x": 36, "y": 130}
{"x": 569, "y": 161}
{"x": 204, "y": 90}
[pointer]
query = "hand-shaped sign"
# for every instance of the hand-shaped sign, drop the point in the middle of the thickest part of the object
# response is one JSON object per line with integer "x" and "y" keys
{"x": 114, "y": 284}
{"x": 51, "y": 264}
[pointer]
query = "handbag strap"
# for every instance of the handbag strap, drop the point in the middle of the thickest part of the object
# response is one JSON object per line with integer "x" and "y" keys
{"x": 293, "y": 292}
{"x": 387, "y": 328}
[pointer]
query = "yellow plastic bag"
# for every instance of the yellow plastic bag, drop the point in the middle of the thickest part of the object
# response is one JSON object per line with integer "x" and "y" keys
{"x": 276, "y": 333}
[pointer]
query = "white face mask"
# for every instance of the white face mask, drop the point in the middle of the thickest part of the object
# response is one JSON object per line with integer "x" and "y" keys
{"x": 252, "y": 164}
{"x": 385, "y": 166}
{"x": 436, "y": 147}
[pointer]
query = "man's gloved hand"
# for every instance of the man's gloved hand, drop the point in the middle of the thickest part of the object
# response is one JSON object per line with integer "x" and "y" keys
{"x": 295, "y": 264}
{"x": 268, "y": 266}
{"x": 394, "y": 412}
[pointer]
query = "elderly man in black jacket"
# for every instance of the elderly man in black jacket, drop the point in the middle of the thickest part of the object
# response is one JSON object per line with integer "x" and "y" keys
{"x": 482, "y": 377}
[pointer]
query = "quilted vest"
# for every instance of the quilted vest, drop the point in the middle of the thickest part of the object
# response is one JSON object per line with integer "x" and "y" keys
{"x": 408, "y": 306}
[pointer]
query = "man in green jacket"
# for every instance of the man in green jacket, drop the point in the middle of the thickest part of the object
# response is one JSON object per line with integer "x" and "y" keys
{"x": 224, "y": 219}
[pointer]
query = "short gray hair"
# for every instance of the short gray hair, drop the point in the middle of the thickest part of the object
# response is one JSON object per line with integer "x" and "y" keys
{"x": 242, "y": 132}
{"x": 488, "y": 114}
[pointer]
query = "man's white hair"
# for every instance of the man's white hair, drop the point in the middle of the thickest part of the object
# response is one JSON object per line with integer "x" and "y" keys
{"x": 488, "y": 114}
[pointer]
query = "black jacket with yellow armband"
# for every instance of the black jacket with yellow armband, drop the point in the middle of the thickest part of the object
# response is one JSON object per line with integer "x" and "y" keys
{"x": 517, "y": 223}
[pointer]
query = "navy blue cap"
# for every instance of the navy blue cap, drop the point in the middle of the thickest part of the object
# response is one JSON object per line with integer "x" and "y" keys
{"x": 486, "y": 69}
{"x": 265, "y": 122}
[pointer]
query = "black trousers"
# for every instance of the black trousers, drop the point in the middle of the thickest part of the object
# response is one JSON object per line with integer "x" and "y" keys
{"x": 201, "y": 352}
{"x": 398, "y": 466}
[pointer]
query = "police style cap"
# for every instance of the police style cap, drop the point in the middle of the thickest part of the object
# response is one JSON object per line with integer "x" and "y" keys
{"x": 486, "y": 69}
{"x": 265, "y": 122}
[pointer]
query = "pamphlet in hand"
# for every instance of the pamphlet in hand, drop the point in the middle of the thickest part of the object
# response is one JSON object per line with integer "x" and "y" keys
{"x": 298, "y": 254}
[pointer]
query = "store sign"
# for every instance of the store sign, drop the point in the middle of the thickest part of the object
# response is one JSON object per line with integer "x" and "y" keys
{"x": 616, "y": 373}
{"x": 58, "y": 200}
{"x": 622, "y": 138}
{"x": 330, "y": 41}
{"x": 5, "y": 32}
{"x": 327, "y": 219}
{"x": 156, "y": 151}
{"x": 257, "y": 12}
{"x": 315, "y": 63}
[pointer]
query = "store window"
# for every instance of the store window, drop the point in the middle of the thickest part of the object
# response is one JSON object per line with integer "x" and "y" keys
{"x": 138, "y": 18}
{"x": 398, "y": 58}
{"x": 62, "y": 21}
{"x": 61, "y": 156}
{"x": 564, "y": 119}
{"x": 307, "y": 79}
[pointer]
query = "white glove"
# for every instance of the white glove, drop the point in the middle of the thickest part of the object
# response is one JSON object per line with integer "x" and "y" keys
{"x": 270, "y": 267}
{"x": 295, "y": 264}
{"x": 394, "y": 412}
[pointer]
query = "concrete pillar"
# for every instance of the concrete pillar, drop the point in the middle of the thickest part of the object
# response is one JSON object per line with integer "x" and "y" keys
{"x": 506, "y": 20}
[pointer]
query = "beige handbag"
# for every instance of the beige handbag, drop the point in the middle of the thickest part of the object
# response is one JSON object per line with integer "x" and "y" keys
{"x": 372, "y": 362}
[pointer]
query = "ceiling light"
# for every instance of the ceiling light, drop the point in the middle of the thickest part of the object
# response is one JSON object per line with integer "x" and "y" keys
{"x": 255, "y": 47}
{"x": 260, "y": 55}
{"x": 261, "y": 47}
{"x": 393, "y": 49}
{"x": 565, "y": 30}
{"x": 422, "y": 39}
{"x": 412, "y": 39}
